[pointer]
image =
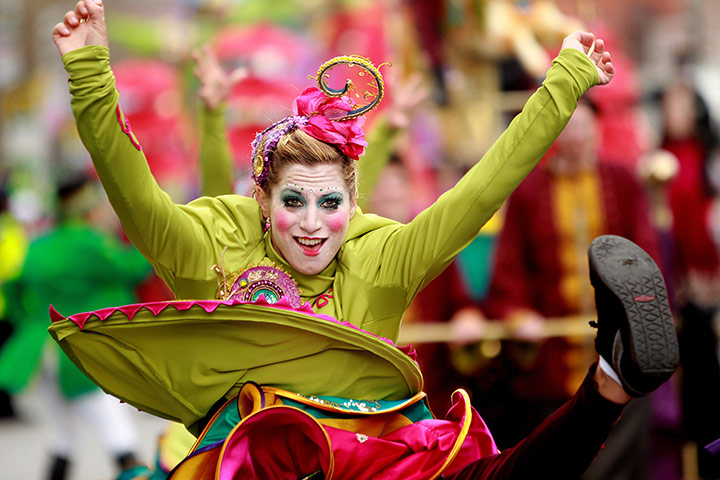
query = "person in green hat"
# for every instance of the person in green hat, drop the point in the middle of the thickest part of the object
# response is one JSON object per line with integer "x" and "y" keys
{"x": 77, "y": 265}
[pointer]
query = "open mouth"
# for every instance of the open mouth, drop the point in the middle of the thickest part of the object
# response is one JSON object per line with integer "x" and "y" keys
{"x": 310, "y": 246}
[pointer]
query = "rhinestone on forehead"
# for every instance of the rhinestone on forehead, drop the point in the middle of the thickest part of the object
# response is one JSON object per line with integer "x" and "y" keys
{"x": 324, "y": 189}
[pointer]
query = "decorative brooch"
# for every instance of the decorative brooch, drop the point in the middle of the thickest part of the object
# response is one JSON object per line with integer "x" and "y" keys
{"x": 269, "y": 281}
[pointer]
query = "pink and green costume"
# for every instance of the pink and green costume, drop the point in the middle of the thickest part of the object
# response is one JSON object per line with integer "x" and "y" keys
{"x": 183, "y": 360}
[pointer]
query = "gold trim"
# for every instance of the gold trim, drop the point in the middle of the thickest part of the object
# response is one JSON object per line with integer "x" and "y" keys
{"x": 461, "y": 436}
{"x": 367, "y": 65}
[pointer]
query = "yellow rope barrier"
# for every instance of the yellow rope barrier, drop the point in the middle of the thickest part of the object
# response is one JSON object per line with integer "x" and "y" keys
{"x": 441, "y": 332}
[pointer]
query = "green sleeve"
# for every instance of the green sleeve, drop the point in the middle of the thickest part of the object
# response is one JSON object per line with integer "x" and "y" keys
{"x": 215, "y": 156}
{"x": 380, "y": 140}
{"x": 178, "y": 240}
{"x": 417, "y": 252}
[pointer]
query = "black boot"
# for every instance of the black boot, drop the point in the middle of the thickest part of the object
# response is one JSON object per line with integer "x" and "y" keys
{"x": 58, "y": 468}
{"x": 636, "y": 334}
{"x": 7, "y": 409}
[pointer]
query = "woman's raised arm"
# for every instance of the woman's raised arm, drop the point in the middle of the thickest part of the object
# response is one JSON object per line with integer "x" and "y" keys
{"x": 179, "y": 240}
{"x": 419, "y": 251}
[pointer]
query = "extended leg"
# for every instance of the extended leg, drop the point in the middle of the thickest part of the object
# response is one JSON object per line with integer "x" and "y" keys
{"x": 636, "y": 340}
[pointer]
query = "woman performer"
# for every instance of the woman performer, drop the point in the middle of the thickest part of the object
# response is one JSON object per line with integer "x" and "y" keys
{"x": 289, "y": 410}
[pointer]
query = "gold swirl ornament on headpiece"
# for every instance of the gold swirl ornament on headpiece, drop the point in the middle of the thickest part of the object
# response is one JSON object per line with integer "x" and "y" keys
{"x": 360, "y": 102}
{"x": 374, "y": 91}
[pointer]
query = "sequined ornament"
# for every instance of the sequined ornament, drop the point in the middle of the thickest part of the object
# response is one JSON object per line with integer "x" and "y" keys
{"x": 266, "y": 141}
{"x": 268, "y": 281}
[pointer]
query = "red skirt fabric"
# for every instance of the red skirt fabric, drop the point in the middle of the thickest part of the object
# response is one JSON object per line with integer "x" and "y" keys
{"x": 282, "y": 435}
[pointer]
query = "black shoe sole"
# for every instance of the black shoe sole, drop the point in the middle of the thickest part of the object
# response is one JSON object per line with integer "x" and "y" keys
{"x": 646, "y": 352}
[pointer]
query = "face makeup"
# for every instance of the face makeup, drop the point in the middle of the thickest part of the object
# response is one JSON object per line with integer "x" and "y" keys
{"x": 309, "y": 209}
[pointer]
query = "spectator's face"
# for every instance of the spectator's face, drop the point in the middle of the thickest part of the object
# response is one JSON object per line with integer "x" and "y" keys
{"x": 392, "y": 195}
{"x": 310, "y": 208}
{"x": 678, "y": 110}
{"x": 578, "y": 142}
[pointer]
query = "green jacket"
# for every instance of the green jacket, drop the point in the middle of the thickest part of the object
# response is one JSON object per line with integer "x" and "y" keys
{"x": 382, "y": 264}
{"x": 76, "y": 268}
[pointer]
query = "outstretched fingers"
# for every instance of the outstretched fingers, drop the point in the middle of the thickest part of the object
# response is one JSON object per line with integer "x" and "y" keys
{"x": 215, "y": 83}
{"x": 205, "y": 61}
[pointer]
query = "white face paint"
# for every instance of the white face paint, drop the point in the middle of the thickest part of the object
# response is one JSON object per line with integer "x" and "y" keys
{"x": 309, "y": 210}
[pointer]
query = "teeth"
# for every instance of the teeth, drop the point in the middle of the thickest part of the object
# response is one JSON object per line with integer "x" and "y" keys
{"x": 310, "y": 242}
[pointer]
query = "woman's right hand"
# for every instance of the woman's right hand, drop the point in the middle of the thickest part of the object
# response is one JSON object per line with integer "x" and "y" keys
{"x": 85, "y": 25}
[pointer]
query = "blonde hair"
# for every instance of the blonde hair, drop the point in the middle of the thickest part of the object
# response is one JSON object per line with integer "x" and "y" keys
{"x": 297, "y": 147}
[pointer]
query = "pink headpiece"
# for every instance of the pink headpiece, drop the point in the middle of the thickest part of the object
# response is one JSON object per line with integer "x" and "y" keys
{"x": 324, "y": 113}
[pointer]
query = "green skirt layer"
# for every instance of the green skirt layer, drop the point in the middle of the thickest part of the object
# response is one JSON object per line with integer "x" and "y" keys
{"x": 175, "y": 360}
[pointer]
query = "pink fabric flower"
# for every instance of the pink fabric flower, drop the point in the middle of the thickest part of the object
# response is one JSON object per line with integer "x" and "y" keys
{"x": 348, "y": 135}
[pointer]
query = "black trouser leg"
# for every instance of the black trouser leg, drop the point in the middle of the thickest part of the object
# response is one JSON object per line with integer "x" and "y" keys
{"x": 562, "y": 447}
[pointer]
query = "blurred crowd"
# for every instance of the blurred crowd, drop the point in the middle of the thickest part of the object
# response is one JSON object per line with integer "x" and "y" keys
{"x": 508, "y": 319}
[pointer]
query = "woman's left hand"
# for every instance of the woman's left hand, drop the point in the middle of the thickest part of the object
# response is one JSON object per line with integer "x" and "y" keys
{"x": 594, "y": 49}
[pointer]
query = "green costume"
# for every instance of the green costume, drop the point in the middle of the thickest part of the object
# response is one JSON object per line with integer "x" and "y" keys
{"x": 75, "y": 268}
{"x": 383, "y": 263}
{"x": 379, "y": 269}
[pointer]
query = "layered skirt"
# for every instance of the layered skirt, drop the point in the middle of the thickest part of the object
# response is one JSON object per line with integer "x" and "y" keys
{"x": 274, "y": 392}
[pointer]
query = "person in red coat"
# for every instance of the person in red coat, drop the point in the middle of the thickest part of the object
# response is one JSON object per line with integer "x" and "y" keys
{"x": 540, "y": 270}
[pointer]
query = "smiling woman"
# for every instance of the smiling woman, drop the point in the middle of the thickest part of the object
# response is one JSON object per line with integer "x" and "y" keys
{"x": 293, "y": 372}
{"x": 309, "y": 210}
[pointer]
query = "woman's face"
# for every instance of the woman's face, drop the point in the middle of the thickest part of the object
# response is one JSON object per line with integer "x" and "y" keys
{"x": 309, "y": 210}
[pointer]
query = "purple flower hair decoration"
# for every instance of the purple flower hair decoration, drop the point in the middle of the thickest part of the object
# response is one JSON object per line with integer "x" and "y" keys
{"x": 266, "y": 141}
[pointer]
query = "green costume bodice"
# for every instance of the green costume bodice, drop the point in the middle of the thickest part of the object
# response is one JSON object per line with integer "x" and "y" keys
{"x": 382, "y": 264}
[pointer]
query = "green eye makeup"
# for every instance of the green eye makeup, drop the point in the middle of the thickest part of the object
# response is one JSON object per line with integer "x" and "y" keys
{"x": 331, "y": 201}
{"x": 291, "y": 199}
{"x": 293, "y": 196}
